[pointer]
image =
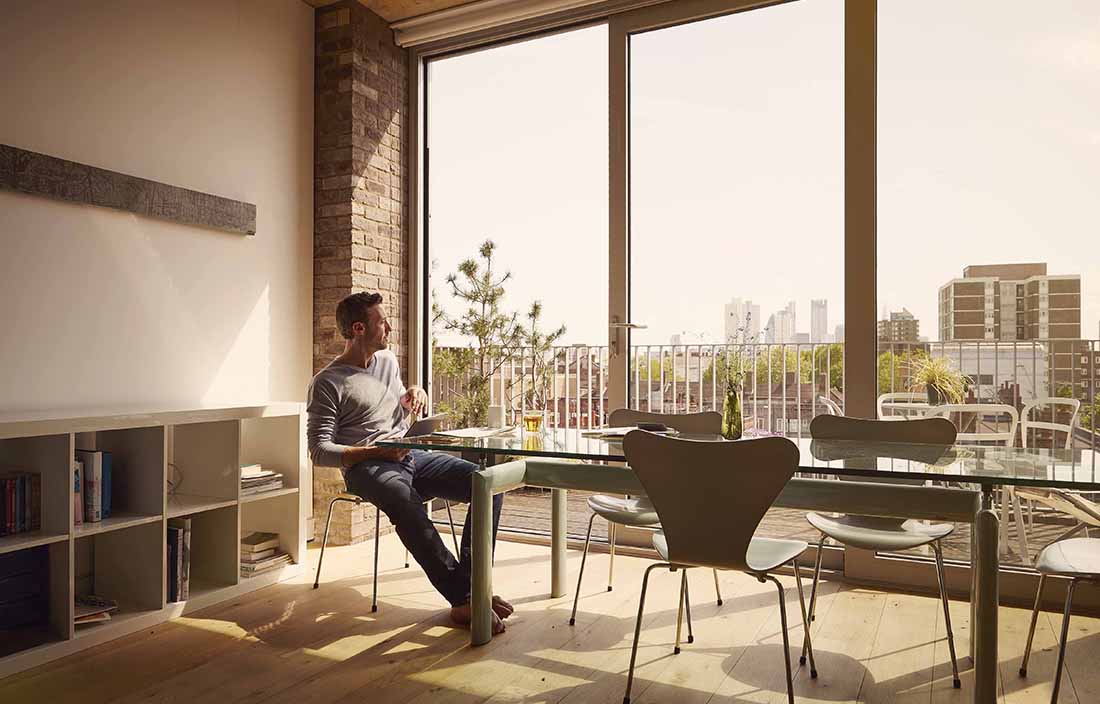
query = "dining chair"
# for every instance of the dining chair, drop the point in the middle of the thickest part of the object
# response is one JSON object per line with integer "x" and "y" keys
{"x": 832, "y": 408}
{"x": 709, "y": 508}
{"x": 877, "y": 533}
{"x": 347, "y": 497}
{"x": 1079, "y": 560}
{"x": 900, "y": 405}
{"x": 1039, "y": 404}
{"x": 638, "y": 511}
{"x": 983, "y": 434}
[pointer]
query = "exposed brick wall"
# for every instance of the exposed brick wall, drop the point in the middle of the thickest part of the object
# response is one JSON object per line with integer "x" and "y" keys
{"x": 360, "y": 231}
{"x": 360, "y": 224}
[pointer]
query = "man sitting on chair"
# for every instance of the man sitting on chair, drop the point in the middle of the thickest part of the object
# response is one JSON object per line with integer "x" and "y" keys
{"x": 358, "y": 399}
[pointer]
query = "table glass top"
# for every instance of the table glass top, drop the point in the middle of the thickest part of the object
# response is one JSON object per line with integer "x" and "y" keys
{"x": 983, "y": 464}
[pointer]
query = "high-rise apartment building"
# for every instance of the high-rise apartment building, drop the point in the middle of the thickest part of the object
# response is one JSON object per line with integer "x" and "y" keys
{"x": 742, "y": 320}
{"x": 900, "y": 326}
{"x": 1010, "y": 302}
{"x": 819, "y": 320}
{"x": 838, "y": 334}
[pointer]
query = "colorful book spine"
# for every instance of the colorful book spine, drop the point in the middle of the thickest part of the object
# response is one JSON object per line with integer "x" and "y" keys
{"x": 106, "y": 484}
{"x": 93, "y": 484}
{"x": 78, "y": 492}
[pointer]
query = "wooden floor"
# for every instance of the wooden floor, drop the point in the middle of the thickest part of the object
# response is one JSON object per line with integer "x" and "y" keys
{"x": 295, "y": 645}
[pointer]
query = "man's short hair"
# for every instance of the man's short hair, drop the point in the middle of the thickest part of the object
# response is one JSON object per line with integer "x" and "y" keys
{"x": 353, "y": 309}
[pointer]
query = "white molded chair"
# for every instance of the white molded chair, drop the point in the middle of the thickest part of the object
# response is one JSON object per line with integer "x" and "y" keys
{"x": 710, "y": 497}
{"x": 902, "y": 405}
{"x": 832, "y": 408}
{"x": 874, "y": 533}
{"x": 1027, "y": 424}
{"x": 1078, "y": 559}
{"x": 638, "y": 511}
{"x": 353, "y": 499}
{"x": 996, "y": 436}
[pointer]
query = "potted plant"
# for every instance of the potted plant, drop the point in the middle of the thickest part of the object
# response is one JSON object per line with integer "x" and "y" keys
{"x": 943, "y": 383}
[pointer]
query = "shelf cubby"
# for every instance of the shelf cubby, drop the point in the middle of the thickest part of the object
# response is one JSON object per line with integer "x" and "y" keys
{"x": 275, "y": 515}
{"x": 48, "y": 456}
{"x": 51, "y": 584}
{"x": 137, "y": 476}
{"x": 124, "y": 565}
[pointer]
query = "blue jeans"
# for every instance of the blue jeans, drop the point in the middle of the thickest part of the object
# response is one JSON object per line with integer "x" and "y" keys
{"x": 399, "y": 489}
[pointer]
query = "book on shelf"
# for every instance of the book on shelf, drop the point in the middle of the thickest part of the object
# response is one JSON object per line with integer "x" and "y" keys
{"x": 183, "y": 557}
{"x": 251, "y": 569}
{"x": 97, "y": 484}
{"x": 251, "y": 470}
{"x": 258, "y": 542}
{"x": 175, "y": 570}
{"x": 256, "y": 556}
{"x": 20, "y": 502}
{"x": 259, "y": 481}
{"x": 87, "y": 608}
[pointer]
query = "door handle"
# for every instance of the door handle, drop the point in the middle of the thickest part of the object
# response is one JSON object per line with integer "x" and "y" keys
{"x": 618, "y": 327}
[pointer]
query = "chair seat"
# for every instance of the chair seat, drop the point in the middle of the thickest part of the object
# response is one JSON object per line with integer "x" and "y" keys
{"x": 631, "y": 512}
{"x": 763, "y": 555}
{"x": 1076, "y": 557}
{"x": 870, "y": 533}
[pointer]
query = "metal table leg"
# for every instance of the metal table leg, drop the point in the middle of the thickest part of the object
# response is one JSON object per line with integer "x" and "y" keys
{"x": 481, "y": 544}
{"x": 988, "y": 597}
{"x": 558, "y": 514}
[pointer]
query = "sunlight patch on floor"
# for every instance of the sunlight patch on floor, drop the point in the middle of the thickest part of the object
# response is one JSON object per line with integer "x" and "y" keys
{"x": 212, "y": 625}
{"x": 483, "y": 678}
{"x": 350, "y": 646}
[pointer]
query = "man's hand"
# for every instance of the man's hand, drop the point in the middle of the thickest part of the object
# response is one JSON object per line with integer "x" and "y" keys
{"x": 415, "y": 401}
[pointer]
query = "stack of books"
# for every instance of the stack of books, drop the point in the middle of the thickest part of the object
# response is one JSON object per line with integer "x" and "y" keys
{"x": 91, "y": 486}
{"x": 20, "y": 502}
{"x": 256, "y": 480}
{"x": 260, "y": 553}
{"x": 179, "y": 559}
{"x": 93, "y": 609}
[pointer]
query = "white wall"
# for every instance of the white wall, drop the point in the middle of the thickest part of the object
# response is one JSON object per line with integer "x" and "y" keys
{"x": 100, "y": 308}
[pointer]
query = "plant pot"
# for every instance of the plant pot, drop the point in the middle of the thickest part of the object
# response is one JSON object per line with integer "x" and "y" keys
{"x": 934, "y": 397}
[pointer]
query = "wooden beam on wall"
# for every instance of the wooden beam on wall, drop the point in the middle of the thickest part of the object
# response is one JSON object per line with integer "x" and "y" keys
{"x": 43, "y": 175}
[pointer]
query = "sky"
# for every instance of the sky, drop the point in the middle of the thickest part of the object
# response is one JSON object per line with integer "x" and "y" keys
{"x": 988, "y": 152}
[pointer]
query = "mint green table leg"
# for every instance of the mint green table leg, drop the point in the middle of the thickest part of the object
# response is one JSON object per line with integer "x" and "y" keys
{"x": 558, "y": 515}
{"x": 988, "y": 592}
{"x": 481, "y": 547}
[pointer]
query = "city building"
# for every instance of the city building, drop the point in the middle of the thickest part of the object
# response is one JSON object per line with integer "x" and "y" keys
{"x": 781, "y": 325}
{"x": 819, "y": 320}
{"x": 1010, "y": 302}
{"x": 900, "y": 326}
{"x": 742, "y": 321}
{"x": 838, "y": 334}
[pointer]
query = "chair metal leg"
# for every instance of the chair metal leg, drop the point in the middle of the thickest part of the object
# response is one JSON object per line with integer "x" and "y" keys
{"x": 1062, "y": 644}
{"x": 942, "y": 580}
{"x": 1034, "y": 620}
{"x": 584, "y": 558}
{"x": 717, "y": 589}
{"x": 680, "y": 610}
{"x": 638, "y": 628}
{"x": 611, "y": 530}
{"x": 324, "y": 537}
{"x": 813, "y": 594}
{"x": 786, "y": 637}
{"x": 807, "y": 646}
{"x": 1021, "y": 529}
{"x": 454, "y": 534}
{"x": 687, "y": 605}
{"x": 374, "y": 591}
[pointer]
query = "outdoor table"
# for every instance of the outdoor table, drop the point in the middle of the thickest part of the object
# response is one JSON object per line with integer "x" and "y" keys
{"x": 881, "y": 479}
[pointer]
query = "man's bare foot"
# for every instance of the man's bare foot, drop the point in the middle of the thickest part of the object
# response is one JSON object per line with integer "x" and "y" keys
{"x": 461, "y": 615}
{"x": 502, "y": 607}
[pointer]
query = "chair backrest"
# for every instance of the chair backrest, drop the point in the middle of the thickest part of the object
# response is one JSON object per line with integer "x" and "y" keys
{"x": 832, "y": 408}
{"x": 902, "y": 404}
{"x": 706, "y": 423}
{"x": 982, "y": 410}
{"x": 710, "y": 509}
{"x": 933, "y": 431}
{"x": 1026, "y": 423}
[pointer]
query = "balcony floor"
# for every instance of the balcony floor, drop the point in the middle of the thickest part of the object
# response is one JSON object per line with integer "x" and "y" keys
{"x": 292, "y": 644}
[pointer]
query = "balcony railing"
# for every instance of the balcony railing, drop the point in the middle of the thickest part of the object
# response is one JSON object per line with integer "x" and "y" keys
{"x": 784, "y": 385}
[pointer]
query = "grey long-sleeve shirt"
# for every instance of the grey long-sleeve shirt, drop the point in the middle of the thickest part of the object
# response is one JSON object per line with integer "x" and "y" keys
{"x": 352, "y": 407}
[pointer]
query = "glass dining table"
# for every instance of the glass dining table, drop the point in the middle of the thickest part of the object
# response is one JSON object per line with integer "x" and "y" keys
{"x": 954, "y": 483}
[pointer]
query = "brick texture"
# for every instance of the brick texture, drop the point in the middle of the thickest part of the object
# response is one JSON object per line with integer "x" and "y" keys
{"x": 360, "y": 232}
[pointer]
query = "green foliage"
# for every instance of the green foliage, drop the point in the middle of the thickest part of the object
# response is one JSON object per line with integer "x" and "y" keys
{"x": 940, "y": 374}
{"x": 542, "y": 364}
{"x": 496, "y": 334}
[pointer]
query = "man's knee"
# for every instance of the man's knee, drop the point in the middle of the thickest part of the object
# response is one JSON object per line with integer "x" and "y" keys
{"x": 385, "y": 485}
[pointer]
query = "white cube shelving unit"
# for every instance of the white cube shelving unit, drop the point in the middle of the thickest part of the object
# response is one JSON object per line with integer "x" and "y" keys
{"x": 124, "y": 557}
